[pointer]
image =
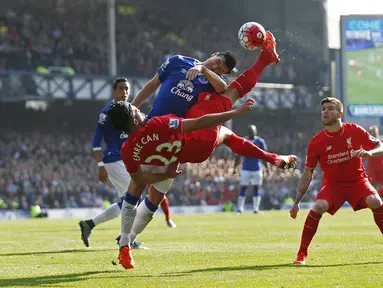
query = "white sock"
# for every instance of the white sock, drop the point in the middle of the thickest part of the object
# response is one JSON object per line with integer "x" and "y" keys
{"x": 143, "y": 218}
{"x": 256, "y": 203}
{"x": 241, "y": 203}
{"x": 113, "y": 211}
{"x": 128, "y": 214}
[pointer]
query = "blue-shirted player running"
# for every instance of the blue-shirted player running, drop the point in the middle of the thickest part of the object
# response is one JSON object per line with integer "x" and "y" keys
{"x": 252, "y": 173}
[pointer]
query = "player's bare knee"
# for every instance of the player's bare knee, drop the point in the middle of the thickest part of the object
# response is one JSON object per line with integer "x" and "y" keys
{"x": 320, "y": 206}
{"x": 155, "y": 197}
{"x": 373, "y": 201}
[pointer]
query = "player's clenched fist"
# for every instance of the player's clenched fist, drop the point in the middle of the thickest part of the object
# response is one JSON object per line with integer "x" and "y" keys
{"x": 294, "y": 211}
{"x": 245, "y": 107}
{"x": 194, "y": 71}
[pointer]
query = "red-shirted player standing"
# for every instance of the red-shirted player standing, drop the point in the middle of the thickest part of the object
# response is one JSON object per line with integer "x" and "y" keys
{"x": 153, "y": 146}
{"x": 339, "y": 149}
{"x": 375, "y": 165}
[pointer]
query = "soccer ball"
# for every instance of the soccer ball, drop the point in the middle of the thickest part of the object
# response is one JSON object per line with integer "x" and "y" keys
{"x": 251, "y": 35}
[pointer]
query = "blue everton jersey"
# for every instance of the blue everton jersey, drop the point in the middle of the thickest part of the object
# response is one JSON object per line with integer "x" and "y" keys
{"x": 176, "y": 94}
{"x": 254, "y": 164}
{"x": 112, "y": 137}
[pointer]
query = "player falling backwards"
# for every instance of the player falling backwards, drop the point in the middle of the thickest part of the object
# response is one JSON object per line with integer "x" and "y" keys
{"x": 339, "y": 149}
{"x": 153, "y": 145}
{"x": 110, "y": 165}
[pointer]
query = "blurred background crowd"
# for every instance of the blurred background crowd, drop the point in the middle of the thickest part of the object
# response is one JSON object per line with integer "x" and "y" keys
{"x": 46, "y": 156}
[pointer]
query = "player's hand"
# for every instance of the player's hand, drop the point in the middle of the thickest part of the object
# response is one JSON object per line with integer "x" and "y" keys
{"x": 194, "y": 71}
{"x": 245, "y": 107}
{"x": 360, "y": 153}
{"x": 294, "y": 211}
{"x": 102, "y": 174}
{"x": 173, "y": 170}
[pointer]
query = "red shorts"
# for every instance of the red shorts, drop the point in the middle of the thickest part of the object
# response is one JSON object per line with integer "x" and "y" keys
{"x": 355, "y": 194}
{"x": 200, "y": 144}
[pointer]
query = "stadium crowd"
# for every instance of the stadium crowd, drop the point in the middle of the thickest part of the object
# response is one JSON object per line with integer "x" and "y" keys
{"x": 74, "y": 34}
{"x": 58, "y": 169}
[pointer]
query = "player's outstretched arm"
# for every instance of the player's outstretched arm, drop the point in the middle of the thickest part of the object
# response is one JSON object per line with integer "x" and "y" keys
{"x": 147, "y": 91}
{"x": 376, "y": 152}
{"x": 215, "y": 119}
{"x": 97, "y": 150}
{"x": 304, "y": 184}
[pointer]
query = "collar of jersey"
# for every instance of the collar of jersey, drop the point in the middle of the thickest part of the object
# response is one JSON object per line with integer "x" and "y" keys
{"x": 333, "y": 134}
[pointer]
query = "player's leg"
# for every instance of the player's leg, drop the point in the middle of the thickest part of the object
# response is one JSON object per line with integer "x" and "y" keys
{"x": 149, "y": 206}
{"x": 257, "y": 179}
{"x": 165, "y": 206}
{"x": 365, "y": 195}
{"x": 128, "y": 215}
{"x": 244, "y": 182}
{"x": 328, "y": 200}
{"x": 244, "y": 147}
{"x": 248, "y": 79}
{"x": 120, "y": 179}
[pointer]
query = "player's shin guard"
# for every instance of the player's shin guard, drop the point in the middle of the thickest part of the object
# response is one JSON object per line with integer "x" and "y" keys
{"x": 309, "y": 230}
{"x": 128, "y": 210}
{"x": 248, "y": 79}
{"x": 113, "y": 211}
{"x": 166, "y": 207}
{"x": 144, "y": 215}
{"x": 378, "y": 217}
{"x": 246, "y": 148}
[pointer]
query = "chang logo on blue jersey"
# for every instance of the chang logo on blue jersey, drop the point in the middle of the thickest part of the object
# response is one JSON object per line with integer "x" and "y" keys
{"x": 177, "y": 94}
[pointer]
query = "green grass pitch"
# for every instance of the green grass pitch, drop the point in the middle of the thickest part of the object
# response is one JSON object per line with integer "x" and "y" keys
{"x": 368, "y": 90}
{"x": 205, "y": 250}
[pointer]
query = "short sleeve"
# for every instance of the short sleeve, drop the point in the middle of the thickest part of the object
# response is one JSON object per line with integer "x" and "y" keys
{"x": 165, "y": 69}
{"x": 169, "y": 124}
{"x": 312, "y": 156}
{"x": 369, "y": 142}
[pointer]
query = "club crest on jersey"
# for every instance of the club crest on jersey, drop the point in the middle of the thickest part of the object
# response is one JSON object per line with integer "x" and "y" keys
{"x": 173, "y": 123}
{"x": 123, "y": 135}
{"x": 184, "y": 89}
{"x": 202, "y": 79}
{"x": 349, "y": 144}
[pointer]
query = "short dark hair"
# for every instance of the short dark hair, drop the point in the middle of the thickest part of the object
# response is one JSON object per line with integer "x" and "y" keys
{"x": 118, "y": 80}
{"x": 338, "y": 104}
{"x": 230, "y": 60}
{"x": 120, "y": 114}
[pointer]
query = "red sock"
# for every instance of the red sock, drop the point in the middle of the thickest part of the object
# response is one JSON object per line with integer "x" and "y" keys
{"x": 378, "y": 217}
{"x": 309, "y": 230}
{"x": 166, "y": 207}
{"x": 246, "y": 148}
{"x": 248, "y": 79}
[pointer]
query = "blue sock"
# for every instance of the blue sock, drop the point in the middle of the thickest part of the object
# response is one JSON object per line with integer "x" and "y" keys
{"x": 243, "y": 191}
{"x": 150, "y": 206}
{"x": 132, "y": 200}
{"x": 255, "y": 193}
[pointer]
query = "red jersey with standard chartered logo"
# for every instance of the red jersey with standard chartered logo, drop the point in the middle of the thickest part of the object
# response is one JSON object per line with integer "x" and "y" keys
{"x": 332, "y": 151}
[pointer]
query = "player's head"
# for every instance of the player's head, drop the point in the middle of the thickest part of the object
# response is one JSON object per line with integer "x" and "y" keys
{"x": 332, "y": 111}
{"x": 121, "y": 89}
{"x": 125, "y": 117}
{"x": 221, "y": 62}
{"x": 374, "y": 131}
{"x": 252, "y": 130}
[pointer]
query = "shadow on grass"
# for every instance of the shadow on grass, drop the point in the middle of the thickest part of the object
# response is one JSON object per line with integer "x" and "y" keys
{"x": 49, "y": 280}
{"x": 276, "y": 266}
{"x": 82, "y": 250}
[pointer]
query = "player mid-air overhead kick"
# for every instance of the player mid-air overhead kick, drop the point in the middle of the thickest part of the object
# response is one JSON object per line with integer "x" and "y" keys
{"x": 156, "y": 146}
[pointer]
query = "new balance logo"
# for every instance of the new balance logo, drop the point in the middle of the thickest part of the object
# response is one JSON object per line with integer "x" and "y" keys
{"x": 173, "y": 123}
{"x": 328, "y": 148}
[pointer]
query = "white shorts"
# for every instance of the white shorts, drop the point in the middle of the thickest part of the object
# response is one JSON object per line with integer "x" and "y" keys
{"x": 251, "y": 178}
{"x": 162, "y": 186}
{"x": 118, "y": 176}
